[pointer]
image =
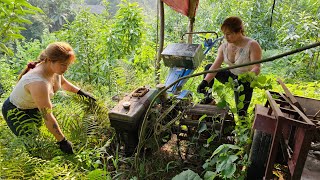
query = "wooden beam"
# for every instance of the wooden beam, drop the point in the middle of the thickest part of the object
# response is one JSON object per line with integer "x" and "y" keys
{"x": 191, "y": 15}
{"x": 161, "y": 42}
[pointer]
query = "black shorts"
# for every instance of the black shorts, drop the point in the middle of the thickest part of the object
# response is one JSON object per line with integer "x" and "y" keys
{"x": 21, "y": 121}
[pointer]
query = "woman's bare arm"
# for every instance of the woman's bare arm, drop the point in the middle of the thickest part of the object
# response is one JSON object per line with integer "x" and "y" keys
{"x": 40, "y": 94}
{"x": 216, "y": 65}
{"x": 68, "y": 86}
{"x": 255, "y": 55}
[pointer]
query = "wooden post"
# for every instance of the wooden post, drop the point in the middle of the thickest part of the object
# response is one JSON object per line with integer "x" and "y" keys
{"x": 191, "y": 15}
{"x": 161, "y": 42}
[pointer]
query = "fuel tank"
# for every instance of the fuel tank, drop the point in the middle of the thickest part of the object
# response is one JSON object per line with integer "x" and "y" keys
{"x": 128, "y": 113}
{"x": 183, "y": 55}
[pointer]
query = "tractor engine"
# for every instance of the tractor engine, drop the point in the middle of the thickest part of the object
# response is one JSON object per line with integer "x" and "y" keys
{"x": 126, "y": 116}
{"x": 172, "y": 112}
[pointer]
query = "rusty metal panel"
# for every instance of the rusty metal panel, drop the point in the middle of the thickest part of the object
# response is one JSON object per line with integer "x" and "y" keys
{"x": 274, "y": 147}
{"x": 309, "y": 105}
{"x": 303, "y": 139}
{"x": 263, "y": 121}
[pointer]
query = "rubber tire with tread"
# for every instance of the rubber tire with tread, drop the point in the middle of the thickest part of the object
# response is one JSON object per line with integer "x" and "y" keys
{"x": 259, "y": 154}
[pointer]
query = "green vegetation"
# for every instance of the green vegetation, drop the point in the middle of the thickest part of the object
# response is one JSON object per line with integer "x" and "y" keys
{"x": 115, "y": 53}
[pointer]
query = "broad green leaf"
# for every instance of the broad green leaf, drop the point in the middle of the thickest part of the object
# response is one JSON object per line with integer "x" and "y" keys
{"x": 226, "y": 162}
{"x": 210, "y": 162}
{"x": 6, "y": 50}
{"x": 203, "y": 127}
{"x": 225, "y": 147}
{"x": 209, "y": 175}
{"x": 16, "y": 36}
{"x": 232, "y": 158}
{"x": 229, "y": 170}
{"x": 233, "y": 110}
{"x": 6, "y": 1}
{"x": 240, "y": 105}
{"x": 262, "y": 79}
{"x": 240, "y": 88}
{"x": 222, "y": 104}
{"x": 230, "y": 80}
{"x": 241, "y": 98}
{"x": 98, "y": 174}
{"x": 221, "y": 164}
{"x": 218, "y": 150}
{"x": 187, "y": 175}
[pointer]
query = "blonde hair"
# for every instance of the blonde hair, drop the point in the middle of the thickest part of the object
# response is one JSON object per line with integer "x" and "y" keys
{"x": 57, "y": 51}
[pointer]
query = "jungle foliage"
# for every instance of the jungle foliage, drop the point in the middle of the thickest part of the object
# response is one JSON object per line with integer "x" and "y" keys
{"x": 13, "y": 18}
{"x": 115, "y": 53}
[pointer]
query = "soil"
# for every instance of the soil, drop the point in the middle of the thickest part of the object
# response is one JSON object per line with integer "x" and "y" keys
{"x": 311, "y": 170}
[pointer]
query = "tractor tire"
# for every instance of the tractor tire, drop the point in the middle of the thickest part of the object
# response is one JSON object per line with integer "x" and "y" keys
{"x": 259, "y": 154}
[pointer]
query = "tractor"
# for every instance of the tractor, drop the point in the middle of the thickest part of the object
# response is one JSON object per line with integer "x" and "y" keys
{"x": 171, "y": 110}
{"x": 283, "y": 128}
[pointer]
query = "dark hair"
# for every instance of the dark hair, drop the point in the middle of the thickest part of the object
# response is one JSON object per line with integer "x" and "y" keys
{"x": 57, "y": 51}
{"x": 234, "y": 24}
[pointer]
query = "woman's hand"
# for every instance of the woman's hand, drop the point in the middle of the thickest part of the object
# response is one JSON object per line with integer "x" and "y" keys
{"x": 86, "y": 95}
{"x": 65, "y": 146}
{"x": 68, "y": 86}
{"x": 202, "y": 86}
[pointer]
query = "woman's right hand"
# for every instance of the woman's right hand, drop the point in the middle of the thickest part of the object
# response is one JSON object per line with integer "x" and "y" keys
{"x": 202, "y": 86}
{"x": 66, "y": 146}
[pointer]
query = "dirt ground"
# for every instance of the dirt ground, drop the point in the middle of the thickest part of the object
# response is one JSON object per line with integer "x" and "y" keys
{"x": 311, "y": 170}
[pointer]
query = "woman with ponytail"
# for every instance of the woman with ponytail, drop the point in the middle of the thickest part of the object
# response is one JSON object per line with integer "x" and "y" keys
{"x": 30, "y": 100}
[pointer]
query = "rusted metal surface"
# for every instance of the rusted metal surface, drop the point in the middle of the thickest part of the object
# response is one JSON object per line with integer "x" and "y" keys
{"x": 127, "y": 114}
{"x": 263, "y": 121}
{"x": 310, "y": 106}
{"x": 140, "y": 92}
{"x": 289, "y": 126}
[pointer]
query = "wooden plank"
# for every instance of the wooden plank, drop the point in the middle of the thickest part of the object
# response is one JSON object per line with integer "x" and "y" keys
{"x": 276, "y": 110}
{"x": 209, "y": 110}
{"x": 292, "y": 99}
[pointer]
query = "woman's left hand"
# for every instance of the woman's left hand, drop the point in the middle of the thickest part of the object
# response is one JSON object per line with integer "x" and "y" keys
{"x": 66, "y": 146}
{"x": 86, "y": 95}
